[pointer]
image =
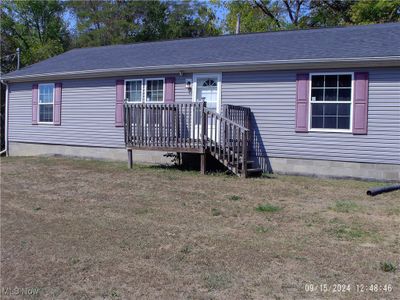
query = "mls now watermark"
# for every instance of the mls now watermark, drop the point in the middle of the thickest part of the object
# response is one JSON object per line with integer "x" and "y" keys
{"x": 19, "y": 291}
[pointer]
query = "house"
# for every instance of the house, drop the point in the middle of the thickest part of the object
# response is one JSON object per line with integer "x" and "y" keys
{"x": 318, "y": 102}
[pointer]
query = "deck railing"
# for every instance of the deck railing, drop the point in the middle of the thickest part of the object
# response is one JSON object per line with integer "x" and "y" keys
{"x": 171, "y": 126}
{"x": 189, "y": 127}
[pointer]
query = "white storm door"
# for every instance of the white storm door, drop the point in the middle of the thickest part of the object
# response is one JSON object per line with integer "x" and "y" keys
{"x": 207, "y": 87}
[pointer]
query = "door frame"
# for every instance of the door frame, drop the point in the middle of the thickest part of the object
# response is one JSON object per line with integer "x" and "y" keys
{"x": 219, "y": 85}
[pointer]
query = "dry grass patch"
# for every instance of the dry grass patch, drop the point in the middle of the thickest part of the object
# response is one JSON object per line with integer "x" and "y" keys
{"x": 393, "y": 211}
{"x": 343, "y": 231}
{"x": 81, "y": 229}
{"x": 234, "y": 197}
{"x": 345, "y": 206}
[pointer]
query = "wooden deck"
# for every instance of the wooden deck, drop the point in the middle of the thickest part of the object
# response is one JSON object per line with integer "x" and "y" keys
{"x": 191, "y": 128}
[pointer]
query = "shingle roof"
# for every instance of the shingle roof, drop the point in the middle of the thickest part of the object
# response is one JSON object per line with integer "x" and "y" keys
{"x": 336, "y": 43}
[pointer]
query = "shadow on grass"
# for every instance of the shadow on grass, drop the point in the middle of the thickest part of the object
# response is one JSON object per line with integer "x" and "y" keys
{"x": 188, "y": 169}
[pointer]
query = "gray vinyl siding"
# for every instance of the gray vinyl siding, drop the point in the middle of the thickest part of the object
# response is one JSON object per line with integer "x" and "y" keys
{"x": 88, "y": 116}
{"x": 271, "y": 97}
{"x": 87, "y": 113}
{"x": 181, "y": 92}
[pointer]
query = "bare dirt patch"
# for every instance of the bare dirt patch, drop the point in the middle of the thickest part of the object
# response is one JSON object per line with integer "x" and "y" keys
{"x": 79, "y": 229}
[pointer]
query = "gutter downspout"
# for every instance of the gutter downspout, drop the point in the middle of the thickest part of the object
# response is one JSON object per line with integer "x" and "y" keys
{"x": 5, "y": 122}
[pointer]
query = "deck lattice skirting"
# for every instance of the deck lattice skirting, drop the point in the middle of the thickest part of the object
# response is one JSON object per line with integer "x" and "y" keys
{"x": 191, "y": 128}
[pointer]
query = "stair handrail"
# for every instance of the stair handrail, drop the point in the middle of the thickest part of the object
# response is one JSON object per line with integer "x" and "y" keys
{"x": 220, "y": 142}
{"x": 208, "y": 110}
{"x": 238, "y": 114}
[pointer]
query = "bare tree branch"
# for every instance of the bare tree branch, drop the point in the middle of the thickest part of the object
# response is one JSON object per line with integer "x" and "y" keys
{"x": 299, "y": 3}
{"x": 261, "y": 5}
{"x": 294, "y": 13}
{"x": 289, "y": 10}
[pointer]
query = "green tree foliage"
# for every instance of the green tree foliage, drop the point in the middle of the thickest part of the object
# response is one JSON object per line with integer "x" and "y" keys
{"x": 36, "y": 27}
{"x": 112, "y": 22}
{"x": 101, "y": 22}
{"x": 352, "y": 12}
{"x": 330, "y": 13}
{"x": 191, "y": 19}
{"x": 375, "y": 11}
{"x": 251, "y": 19}
{"x": 264, "y": 15}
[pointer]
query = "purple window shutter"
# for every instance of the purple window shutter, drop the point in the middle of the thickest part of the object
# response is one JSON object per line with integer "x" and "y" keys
{"x": 302, "y": 102}
{"x": 170, "y": 90}
{"x": 119, "y": 103}
{"x": 360, "y": 106}
{"x": 57, "y": 104}
{"x": 34, "y": 104}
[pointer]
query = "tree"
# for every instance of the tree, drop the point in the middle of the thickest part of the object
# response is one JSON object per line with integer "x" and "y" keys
{"x": 285, "y": 13}
{"x": 191, "y": 19}
{"x": 377, "y": 11}
{"x": 325, "y": 13}
{"x": 116, "y": 21}
{"x": 101, "y": 23}
{"x": 351, "y": 12}
{"x": 265, "y": 15}
{"x": 36, "y": 27}
{"x": 251, "y": 19}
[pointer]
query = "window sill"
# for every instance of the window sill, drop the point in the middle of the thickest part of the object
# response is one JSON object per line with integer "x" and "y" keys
{"x": 147, "y": 102}
{"x": 45, "y": 123}
{"x": 331, "y": 130}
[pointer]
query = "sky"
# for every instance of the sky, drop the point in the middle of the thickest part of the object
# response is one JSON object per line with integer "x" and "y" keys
{"x": 221, "y": 12}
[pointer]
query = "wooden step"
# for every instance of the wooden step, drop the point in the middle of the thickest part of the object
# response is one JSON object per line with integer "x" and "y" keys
{"x": 227, "y": 154}
{"x": 227, "y": 163}
{"x": 256, "y": 172}
{"x": 249, "y": 163}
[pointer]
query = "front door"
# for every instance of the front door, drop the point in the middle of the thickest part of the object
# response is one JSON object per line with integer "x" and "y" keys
{"x": 207, "y": 87}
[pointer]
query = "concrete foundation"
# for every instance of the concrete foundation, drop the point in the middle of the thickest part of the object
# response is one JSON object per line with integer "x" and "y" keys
{"x": 336, "y": 169}
{"x": 118, "y": 154}
{"x": 322, "y": 168}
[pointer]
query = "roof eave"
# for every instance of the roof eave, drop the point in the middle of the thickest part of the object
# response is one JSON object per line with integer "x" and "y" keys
{"x": 301, "y": 64}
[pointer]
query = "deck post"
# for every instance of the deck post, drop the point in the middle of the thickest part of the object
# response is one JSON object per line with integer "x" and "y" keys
{"x": 244, "y": 153}
{"x": 130, "y": 162}
{"x": 179, "y": 154}
{"x": 203, "y": 163}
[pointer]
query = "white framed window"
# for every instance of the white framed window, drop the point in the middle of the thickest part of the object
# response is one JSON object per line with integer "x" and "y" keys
{"x": 134, "y": 90}
{"x": 155, "y": 90}
{"x": 46, "y": 102}
{"x": 331, "y": 102}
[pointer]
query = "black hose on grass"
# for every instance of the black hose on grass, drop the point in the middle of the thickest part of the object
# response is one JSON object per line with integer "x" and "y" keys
{"x": 381, "y": 190}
